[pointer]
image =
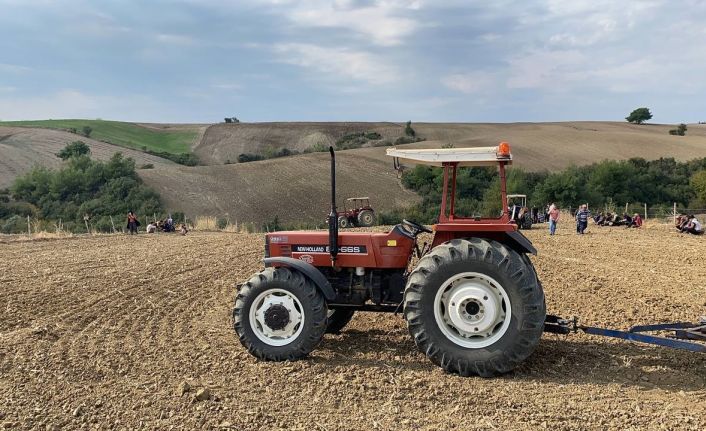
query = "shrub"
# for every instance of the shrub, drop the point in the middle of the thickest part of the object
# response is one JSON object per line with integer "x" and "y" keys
{"x": 679, "y": 131}
{"x": 86, "y": 131}
{"x": 147, "y": 166}
{"x": 221, "y": 223}
{"x": 408, "y": 130}
{"x": 74, "y": 149}
{"x": 247, "y": 157}
{"x": 317, "y": 148}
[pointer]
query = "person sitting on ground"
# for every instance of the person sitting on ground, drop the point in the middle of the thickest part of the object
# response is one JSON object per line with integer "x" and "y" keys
{"x": 599, "y": 219}
{"x": 627, "y": 220}
{"x": 693, "y": 226}
{"x": 681, "y": 222}
{"x": 151, "y": 228}
{"x": 183, "y": 230}
{"x": 636, "y": 221}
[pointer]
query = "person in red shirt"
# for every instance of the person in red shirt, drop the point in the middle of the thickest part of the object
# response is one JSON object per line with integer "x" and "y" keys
{"x": 636, "y": 221}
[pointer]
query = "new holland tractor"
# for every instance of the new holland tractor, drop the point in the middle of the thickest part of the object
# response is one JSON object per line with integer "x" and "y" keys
{"x": 473, "y": 303}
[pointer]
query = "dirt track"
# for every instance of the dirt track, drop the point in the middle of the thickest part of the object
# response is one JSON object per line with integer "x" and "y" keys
{"x": 102, "y": 332}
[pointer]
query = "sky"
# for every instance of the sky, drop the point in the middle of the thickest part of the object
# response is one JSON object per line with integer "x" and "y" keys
{"x": 352, "y": 60}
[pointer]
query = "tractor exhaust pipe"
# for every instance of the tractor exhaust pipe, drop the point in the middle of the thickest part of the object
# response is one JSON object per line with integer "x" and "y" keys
{"x": 333, "y": 215}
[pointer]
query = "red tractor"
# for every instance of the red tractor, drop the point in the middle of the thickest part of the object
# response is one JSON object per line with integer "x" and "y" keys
{"x": 473, "y": 303}
{"x": 356, "y": 212}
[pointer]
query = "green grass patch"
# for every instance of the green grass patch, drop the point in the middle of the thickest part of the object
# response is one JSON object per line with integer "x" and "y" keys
{"x": 128, "y": 135}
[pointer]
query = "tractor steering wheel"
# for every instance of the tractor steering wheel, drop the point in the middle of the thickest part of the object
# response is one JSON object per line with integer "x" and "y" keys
{"x": 415, "y": 228}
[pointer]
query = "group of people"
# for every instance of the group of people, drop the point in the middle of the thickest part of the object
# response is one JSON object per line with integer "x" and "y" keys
{"x": 610, "y": 219}
{"x": 689, "y": 224}
{"x": 583, "y": 214}
{"x": 166, "y": 225}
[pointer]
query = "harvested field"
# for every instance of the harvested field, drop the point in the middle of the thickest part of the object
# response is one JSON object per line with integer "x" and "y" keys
{"x": 23, "y": 148}
{"x": 120, "y": 332}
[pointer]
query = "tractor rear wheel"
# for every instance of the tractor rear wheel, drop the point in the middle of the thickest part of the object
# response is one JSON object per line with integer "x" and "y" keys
{"x": 366, "y": 218}
{"x": 475, "y": 307}
{"x": 338, "y": 318}
{"x": 343, "y": 222}
{"x": 279, "y": 315}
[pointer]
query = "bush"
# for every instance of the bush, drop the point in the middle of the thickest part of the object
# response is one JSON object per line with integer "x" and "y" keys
{"x": 383, "y": 143}
{"x": 317, "y": 148}
{"x": 221, "y": 223}
{"x": 679, "y": 131}
{"x": 186, "y": 159}
{"x": 408, "y": 130}
{"x": 87, "y": 130}
{"x": 372, "y": 136}
{"x": 74, "y": 149}
{"x": 147, "y": 166}
{"x": 247, "y": 157}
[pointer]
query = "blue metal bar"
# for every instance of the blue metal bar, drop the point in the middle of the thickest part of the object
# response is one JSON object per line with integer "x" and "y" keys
{"x": 662, "y": 327}
{"x": 642, "y": 338}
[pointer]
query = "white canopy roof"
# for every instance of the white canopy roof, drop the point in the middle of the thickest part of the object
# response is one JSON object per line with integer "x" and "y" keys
{"x": 475, "y": 156}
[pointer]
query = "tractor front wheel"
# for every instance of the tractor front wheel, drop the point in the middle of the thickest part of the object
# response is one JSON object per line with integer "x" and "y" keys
{"x": 475, "y": 307}
{"x": 343, "y": 222}
{"x": 279, "y": 315}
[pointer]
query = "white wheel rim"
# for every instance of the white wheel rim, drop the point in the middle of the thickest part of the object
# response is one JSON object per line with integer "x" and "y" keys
{"x": 276, "y": 337}
{"x": 472, "y": 310}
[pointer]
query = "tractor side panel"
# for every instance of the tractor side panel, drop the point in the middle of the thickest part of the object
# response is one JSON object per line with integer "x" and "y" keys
{"x": 356, "y": 249}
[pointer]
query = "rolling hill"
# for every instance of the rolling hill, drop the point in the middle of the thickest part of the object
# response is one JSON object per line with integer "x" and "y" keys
{"x": 296, "y": 188}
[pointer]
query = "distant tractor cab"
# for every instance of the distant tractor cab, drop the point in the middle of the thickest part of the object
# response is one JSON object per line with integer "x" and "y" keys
{"x": 519, "y": 212}
{"x": 357, "y": 212}
{"x": 473, "y": 303}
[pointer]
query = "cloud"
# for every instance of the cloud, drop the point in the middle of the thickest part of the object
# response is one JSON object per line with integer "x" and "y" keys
{"x": 467, "y": 83}
{"x": 384, "y": 22}
{"x": 336, "y": 63}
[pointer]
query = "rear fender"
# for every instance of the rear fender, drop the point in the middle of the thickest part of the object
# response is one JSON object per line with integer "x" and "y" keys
{"x": 309, "y": 272}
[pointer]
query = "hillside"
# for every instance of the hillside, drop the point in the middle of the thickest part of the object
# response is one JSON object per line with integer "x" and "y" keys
{"x": 291, "y": 188}
{"x": 222, "y": 142}
{"x": 22, "y": 148}
{"x": 296, "y": 188}
{"x": 536, "y": 146}
{"x": 154, "y": 137}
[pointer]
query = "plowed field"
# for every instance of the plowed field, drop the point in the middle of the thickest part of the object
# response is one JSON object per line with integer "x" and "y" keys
{"x": 120, "y": 332}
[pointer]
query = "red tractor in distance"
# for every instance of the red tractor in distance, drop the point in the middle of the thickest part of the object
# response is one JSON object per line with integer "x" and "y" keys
{"x": 473, "y": 303}
{"x": 356, "y": 212}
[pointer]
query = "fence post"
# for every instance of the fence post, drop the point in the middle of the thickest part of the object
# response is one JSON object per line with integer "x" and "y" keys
{"x": 626, "y": 207}
{"x": 113, "y": 224}
{"x": 645, "y": 211}
{"x": 29, "y": 228}
{"x": 674, "y": 213}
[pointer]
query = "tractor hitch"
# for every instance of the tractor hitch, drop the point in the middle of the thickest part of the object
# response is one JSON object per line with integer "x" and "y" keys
{"x": 684, "y": 335}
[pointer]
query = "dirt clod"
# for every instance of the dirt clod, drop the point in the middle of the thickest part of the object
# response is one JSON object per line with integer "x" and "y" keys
{"x": 203, "y": 394}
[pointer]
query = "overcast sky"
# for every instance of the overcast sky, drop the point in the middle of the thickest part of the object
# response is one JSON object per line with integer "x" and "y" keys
{"x": 424, "y": 60}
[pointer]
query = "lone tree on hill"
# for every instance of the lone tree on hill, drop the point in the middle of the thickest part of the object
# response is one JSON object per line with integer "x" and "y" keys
{"x": 639, "y": 115}
{"x": 408, "y": 130}
{"x": 74, "y": 149}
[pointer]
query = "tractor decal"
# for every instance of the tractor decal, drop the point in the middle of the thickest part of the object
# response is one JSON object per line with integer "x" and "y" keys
{"x": 307, "y": 258}
{"x": 350, "y": 249}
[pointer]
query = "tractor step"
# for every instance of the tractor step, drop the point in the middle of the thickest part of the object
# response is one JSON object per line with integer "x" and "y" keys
{"x": 684, "y": 335}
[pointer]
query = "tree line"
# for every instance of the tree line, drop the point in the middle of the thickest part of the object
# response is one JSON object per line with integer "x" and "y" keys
{"x": 655, "y": 182}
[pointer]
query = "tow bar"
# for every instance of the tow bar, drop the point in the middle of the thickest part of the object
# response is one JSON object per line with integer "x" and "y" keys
{"x": 679, "y": 331}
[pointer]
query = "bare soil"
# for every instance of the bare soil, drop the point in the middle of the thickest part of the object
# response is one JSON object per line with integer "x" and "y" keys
{"x": 120, "y": 332}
